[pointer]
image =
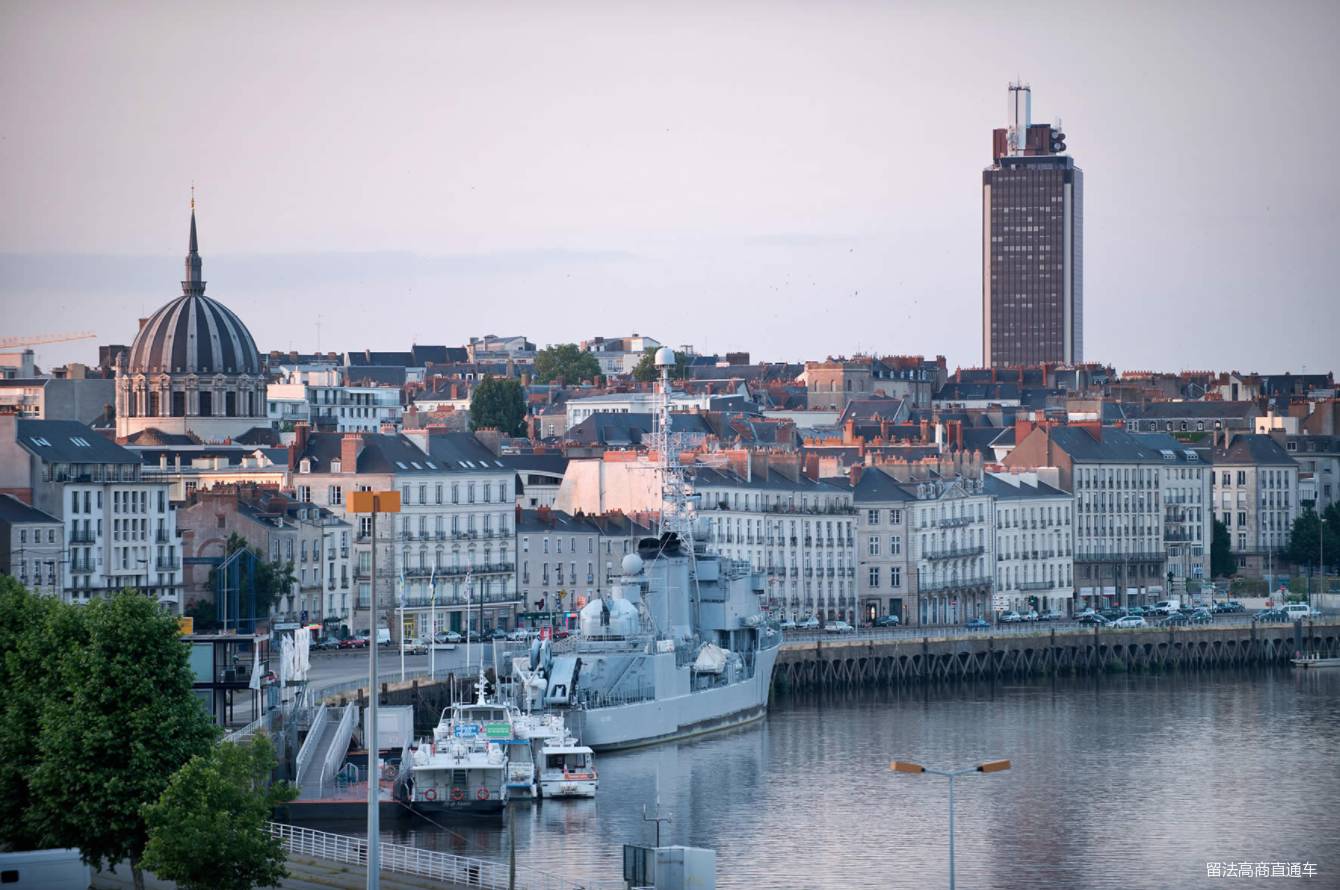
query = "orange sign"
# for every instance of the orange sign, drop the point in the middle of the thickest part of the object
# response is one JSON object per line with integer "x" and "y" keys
{"x": 374, "y": 502}
{"x": 186, "y": 625}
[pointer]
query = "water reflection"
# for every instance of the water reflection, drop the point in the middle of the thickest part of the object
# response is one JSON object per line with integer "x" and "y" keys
{"x": 1118, "y": 781}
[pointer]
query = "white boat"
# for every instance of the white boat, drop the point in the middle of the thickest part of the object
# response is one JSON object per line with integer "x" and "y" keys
{"x": 463, "y": 767}
{"x": 532, "y": 732}
{"x": 568, "y": 769}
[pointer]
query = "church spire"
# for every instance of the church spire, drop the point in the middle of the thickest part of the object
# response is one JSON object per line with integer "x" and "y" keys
{"x": 193, "y": 285}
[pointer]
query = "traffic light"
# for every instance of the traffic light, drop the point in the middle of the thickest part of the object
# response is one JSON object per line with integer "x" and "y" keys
{"x": 1033, "y": 603}
{"x": 1058, "y": 141}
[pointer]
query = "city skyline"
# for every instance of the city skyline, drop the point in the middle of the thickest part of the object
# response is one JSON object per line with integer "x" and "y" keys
{"x": 792, "y": 184}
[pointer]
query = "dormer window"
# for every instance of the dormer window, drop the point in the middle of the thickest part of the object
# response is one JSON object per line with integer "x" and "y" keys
{"x": 305, "y": 466}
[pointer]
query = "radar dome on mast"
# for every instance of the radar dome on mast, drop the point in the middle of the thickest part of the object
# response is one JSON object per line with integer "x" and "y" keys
{"x": 665, "y": 357}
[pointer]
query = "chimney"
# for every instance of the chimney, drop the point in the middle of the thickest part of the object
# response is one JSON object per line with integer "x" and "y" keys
{"x": 925, "y": 431}
{"x": 1022, "y": 427}
{"x": 856, "y": 470}
{"x": 351, "y": 445}
{"x": 958, "y": 434}
{"x": 301, "y": 429}
{"x": 849, "y": 431}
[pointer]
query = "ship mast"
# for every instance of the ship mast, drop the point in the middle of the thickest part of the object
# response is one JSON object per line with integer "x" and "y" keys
{"x": 676, "y": 508}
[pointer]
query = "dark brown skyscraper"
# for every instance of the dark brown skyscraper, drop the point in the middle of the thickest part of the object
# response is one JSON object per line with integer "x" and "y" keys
{"x": 1032, "y": 245}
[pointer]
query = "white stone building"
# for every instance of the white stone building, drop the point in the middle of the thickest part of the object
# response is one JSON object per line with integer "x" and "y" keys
{"x": 798, "y": 532}
{"x": 32, "y": 547}
{"x": 119, "y": 529}
{"x": 453, "y": 537}
{"x": 1034, "y": 541}
{"x": 1256, "y": 496}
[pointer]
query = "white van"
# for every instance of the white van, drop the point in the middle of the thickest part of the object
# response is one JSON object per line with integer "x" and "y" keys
{"x": 47, "y": 869}
{"x": 1299, "y": 611}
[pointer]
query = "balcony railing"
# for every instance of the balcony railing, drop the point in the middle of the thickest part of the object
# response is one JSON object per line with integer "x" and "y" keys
{"x": 167, "y": 564}
{"x": 82, "y": 537}
{"x": 954, "y": 552}
{"x": 1118, "y": 556}
{"x": 953, "y": 522}
{"x": 964, "y": 584}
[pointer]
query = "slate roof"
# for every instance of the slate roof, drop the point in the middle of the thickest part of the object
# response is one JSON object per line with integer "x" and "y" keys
{"x": 773, "y": 481}
{"x": 70, "y": 442}
{"x": 1254, "y": 449}
{"x": 1115, "y": 446}
{"x": 548, "y": 462}
{"x": 877, "y": 486}
{"x": 1003, "y": 490}
{"x": 1206, "y": 410}
{"x": 611, "y": 428}
{"x": 13, "y": 510}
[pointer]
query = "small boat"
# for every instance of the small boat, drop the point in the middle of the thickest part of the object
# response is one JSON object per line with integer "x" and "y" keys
{"x": 568, "y": 769}
{"x": 533, "y": 732}
{"x": 1315, "y": 661}
{"x": 463, "y": 767}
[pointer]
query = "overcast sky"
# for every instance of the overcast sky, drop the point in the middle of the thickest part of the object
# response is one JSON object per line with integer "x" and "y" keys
{"x": 792, "y": 179}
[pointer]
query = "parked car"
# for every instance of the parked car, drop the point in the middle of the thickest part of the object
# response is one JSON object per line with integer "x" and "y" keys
{"x": 417, "y": 647}
{"x": 1030, "y": 615}
{"x": 1175, "y": 619}
{"x": 1201, "y": 616}
{"x": 788, "y": 624}
{"x": 1229, "y": 607}
{"x": 810, "y": 623}
{"x": 1270, "y": 615}
{"x": 1010, "y": 617}
{"x": 1051, "y": 615}
{"x": 519, "y": 635}
{"x": 448, "y": 636}
{"x": 977, "y": 624}
{"x": 498, "y": 634}
{"x": 562, "y": 633}
{"x": 1110, "y": 615}
{"x": 1085, "y": 612}
{"x": 326, "y": 644}
{"x": 1130, "y": 621}
{"x": 887, "y": 621}
{"x": 838, "y": 627}
{"x": 1091, "y": 618}
{"x": 354, "y": 643}
{"x": 1300, "y": 611}
{"x": 1137, "y": 610}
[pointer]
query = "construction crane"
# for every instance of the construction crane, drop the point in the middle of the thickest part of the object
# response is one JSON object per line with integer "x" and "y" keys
{"x": 16, "y": 342}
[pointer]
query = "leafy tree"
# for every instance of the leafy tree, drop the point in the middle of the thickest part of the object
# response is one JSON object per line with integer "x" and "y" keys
{"x": 34, "y": 630}
{"x": 1222, "y": 563}
{"x": 499, "y": 403}
{"x": 645, "y": 369}
{"x": 1305, "y": 544}
{"x": 565, "y": 362}
{"x": 205, "y": 615}
{"x": 124, "y": 721}
{"x": 207, "y": 830}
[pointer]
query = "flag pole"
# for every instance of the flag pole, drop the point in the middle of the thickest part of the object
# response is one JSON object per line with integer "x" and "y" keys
{"x": 402, "y": 624}
{"x": 432, "y": 624}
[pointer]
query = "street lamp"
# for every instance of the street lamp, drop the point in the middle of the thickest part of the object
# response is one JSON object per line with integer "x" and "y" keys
{"x": 990, "y": 766}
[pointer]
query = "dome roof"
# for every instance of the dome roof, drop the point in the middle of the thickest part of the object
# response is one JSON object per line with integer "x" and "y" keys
{"x": 194, "y": 334}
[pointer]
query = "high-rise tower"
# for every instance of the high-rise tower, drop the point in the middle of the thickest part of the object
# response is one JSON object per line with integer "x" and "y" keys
{"x": 1032, "y": 244}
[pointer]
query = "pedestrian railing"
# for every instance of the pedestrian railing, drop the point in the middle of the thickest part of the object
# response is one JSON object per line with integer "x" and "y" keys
{"x": 262, "y": 723}
{"x": 339, "y": 747}
{"x": 311, "y": 743}
{"x": 431, "y": 864}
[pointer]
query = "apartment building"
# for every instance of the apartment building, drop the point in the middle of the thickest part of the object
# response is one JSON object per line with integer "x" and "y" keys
{"x": 1256, "y": 495}
{"x": 926, "y": 551}
{"x": 1116, "y": 478}
{"x": 119, "y": 529}
{"x": 1034, "y": 542}
{"x": 452, "y": 540}
{"x": 32, "y": 547}
{"x": 312, "y": 539}
{"x": 564, "y": 561}
{"x": 797, "y": 531}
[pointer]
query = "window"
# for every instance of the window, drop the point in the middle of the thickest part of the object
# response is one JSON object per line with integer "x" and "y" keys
{"x": 305, "y": 493}
{"x": 874, "y": 545}
{"x": 872, "y": 517}
{"x": 1242, "y": 520}
{"x": 896, "y": 576}
{"x": 874, "y": 577}
{"x": 335, "y": 495}
{"x": 895, "y": 545}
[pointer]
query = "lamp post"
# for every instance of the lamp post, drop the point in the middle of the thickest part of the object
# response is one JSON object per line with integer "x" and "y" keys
{"x": 990, "y": 766}
{"x": 373, "y": 502}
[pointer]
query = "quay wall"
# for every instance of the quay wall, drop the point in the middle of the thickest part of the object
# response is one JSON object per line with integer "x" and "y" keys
{"x": 874, "y": 659}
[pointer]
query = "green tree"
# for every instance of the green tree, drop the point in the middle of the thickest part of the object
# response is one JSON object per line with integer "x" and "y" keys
{"x": 566, "y": 363}
{"x": 34, "y": 631}
{"x": 207, "y": 830}
{"x": 1222, "y": 563}
{"x": 645, "y": 370}
{"x": 205, "y": 615}
{"x": 124, "y": 721}
{"x": 1305, "y": 538}
{"x": 499, "y": 403}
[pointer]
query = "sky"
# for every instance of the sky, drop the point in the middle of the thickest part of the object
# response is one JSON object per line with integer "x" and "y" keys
{"x": 796, "y": 180}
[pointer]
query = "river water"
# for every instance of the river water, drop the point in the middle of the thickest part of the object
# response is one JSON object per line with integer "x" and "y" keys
{"x": 1118, "y": 781}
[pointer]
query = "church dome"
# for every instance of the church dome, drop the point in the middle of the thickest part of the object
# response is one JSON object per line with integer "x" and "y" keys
{"x": 194, "y": 334}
